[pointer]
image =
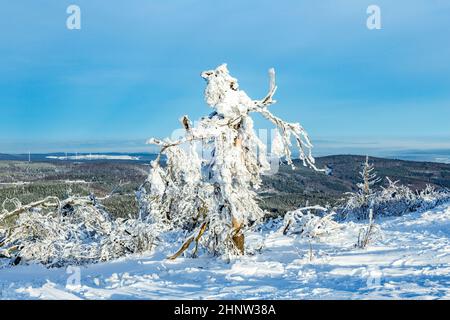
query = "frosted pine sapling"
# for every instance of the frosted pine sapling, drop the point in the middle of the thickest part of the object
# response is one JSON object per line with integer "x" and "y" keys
{"x": 213, "y": 197}
{"x": 369, "y": 178}
{"x": 358, "y": 202}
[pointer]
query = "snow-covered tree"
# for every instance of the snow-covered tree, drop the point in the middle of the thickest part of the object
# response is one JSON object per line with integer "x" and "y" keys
{"x": 213, "y": 197}
{"x": 362, "y": 200}
{"x": 369, "y": 178}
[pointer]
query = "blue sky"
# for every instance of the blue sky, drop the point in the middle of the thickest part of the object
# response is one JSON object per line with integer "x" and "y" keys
{"x": 133, "y": 70}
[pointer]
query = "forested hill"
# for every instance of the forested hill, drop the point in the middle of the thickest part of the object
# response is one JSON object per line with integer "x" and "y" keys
{"x": 290, "y": 188}
{"x": 286, "y": 190}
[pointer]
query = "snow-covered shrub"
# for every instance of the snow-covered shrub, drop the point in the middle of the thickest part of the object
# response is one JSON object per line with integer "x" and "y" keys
{"x": 73, "y": 231}
{"x": 208, "y": 184}
{"x": 302, "y": 221}
{"x": 432, "y": 197}
{"x": 393, "y": 200}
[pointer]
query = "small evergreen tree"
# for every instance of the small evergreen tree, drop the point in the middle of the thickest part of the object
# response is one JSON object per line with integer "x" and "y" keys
{"x": 369, "y": 178}
{"x": 359, "y": 203}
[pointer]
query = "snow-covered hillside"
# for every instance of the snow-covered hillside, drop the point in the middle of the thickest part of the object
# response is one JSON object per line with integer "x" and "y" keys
{"x": 410, "y": 260}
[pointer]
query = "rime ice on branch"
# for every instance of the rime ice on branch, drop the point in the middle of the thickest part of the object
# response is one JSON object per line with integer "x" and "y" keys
{"x": 208, "y": 184}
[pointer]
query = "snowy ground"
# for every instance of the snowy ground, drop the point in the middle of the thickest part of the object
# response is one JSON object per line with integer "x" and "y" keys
{"x": 410, "y": 261}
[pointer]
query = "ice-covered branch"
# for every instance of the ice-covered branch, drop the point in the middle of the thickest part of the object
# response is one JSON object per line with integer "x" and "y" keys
{"x": 295, "y": 130}
{"x": 47, "y": 202}
{"x": 268, "y": 99}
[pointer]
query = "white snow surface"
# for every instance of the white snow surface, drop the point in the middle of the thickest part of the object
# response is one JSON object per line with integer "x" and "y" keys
{"x": 410, "y": 259}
